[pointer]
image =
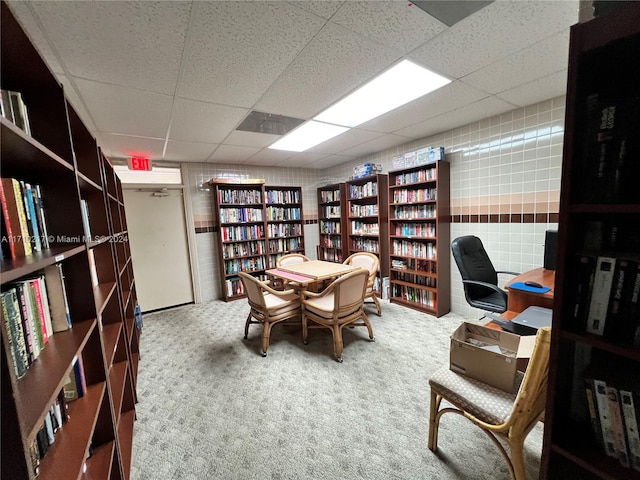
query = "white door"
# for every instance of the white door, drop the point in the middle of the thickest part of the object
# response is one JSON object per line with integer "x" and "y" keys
{"x": 159, "y": 250}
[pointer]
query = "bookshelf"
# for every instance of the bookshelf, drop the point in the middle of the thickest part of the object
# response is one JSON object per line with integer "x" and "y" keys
{"x": 285, "y": 221}
{"x": 242, "y": 240}
{"x": 596, "y": 326}
{"x": 61, "y": 157}
{"x": 332, "y": 222}
{"x": 419, "y": 237}
{"x": 367, "y": 219}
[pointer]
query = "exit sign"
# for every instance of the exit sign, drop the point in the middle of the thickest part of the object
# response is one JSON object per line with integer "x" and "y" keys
{"x": 140, "y": 163}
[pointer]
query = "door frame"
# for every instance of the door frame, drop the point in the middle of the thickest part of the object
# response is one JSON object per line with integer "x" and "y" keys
{"x": 188, "y": 218}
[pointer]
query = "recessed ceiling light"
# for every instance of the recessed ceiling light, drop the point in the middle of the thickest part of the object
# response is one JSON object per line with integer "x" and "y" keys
{"x": 399, "y": 85}
{"x": 308, "y": 135}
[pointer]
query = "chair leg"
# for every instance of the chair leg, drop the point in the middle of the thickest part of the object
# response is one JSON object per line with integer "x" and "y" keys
{"x": 377, "y": 302}
{"x": 338, "y": 345}
{"x": 434, "y": 420}
{"x": 516, "y": 448}
{"x": 246, "y": 326}
{"x": 305, "y": 330}
{"x": 366, "y": 321}
{"x": 266, "y": 335}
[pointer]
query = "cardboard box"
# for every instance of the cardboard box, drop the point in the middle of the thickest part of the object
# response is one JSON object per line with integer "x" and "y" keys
{"x": 488, "y": 355}
{"x": 398, "y": 162}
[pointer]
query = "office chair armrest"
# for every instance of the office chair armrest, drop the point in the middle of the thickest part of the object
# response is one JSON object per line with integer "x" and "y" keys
{"x": 508, "y": 273}
{"x": 490, "y": 286}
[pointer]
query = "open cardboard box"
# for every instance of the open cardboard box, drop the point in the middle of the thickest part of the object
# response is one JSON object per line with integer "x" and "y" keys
{"x": 488, "y": 355}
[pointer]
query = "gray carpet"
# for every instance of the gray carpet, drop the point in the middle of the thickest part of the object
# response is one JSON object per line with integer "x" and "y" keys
{"x": 210, "y": 407}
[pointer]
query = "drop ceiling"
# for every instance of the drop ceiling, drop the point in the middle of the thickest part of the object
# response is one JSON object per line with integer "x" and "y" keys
{"x": 173, "y": 80}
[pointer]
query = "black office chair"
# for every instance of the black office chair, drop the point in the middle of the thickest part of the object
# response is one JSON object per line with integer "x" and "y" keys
{"x": 479, "y": 278}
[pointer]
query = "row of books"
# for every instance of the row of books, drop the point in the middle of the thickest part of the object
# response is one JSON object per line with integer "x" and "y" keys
{"x": 34, "y": 309}
{"x": 418, "y": 176}
{"x": 283, "y": 214}
{"x": 411, "y": 196}
{"x": 282, "y": 196}
{"x": 606, "y": 294}
{"x": 13, "y": 108}
{"x": 327, "y": 196}
{"x": 284, "y": 230}
{"x": 364, "y": 228}
{"x": 425, "y": 266}
{"x": 426, "y": 298}
{"x": 369, "y": 189}
{"x": 244, "y": 265}
{"x": 613, "y": 400}
{"x": 239, "y": 233}
{"x": 611, "y": 147}
{"x": 424, "y": 230}
{"x": 364, "y": 210}
{"x": 243, "y": 249}
{"x": 24, "y": 228}
{"x": 333, "y": 211}
{"x": 234, "y": 287}
{"x": 284, "y": 244}
{"x": 331, "y": 242}
{"x": 329, "y": 228}
{"x": 413, "y": 212}
{"x": 423, "y": 280}
{"x": 239, "y": 196}
{"x": 240, "y": 215}
{"x": 421, "y": 250}
{"x": 365, "y": 245}
{"x": 330, "y": 255}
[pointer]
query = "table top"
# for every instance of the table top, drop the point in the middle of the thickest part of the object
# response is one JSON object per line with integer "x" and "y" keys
{"x": 307, "y": 272}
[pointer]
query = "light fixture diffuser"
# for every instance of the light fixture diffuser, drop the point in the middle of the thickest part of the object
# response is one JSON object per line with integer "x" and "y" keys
{"x": 308, "y": 135}
{"x": 401, "y": 84}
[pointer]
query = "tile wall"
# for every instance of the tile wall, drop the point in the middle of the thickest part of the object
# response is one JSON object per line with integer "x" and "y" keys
{"x": 505, "y": 189}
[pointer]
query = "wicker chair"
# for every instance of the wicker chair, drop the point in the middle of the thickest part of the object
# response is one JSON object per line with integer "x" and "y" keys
{"x": 509, "y": 416}
{"x": 339, "y": 305}
{"x": 370, "y": 262}
{"x": 291, "y": 258}
{"x": 268, "y": 306}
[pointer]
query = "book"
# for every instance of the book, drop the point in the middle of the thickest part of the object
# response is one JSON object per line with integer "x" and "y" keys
{"x": 19, "y": 112}
{"x": 45, "y": 304}
{"x": 40, "y": 309}
{"x": 84, "y": 208}
{"x": 34, "y": 313}
{"x": 14, "y": 217}
{"x": 57, "y": 297}
{"x": 599, "y": 304}
{"x": 618, "y": 431}
{"x": 582, "y": 287}
{"x": 630, "y": 407}
{"x": 32, "y": 218}
{"x": 31, "y": 339}
{"x": 602, "y": 402}
{"x": 5, "y": 103}
{"x": 620, "y": 286}
{"x": 42, "y": 224}
{"x": 13, "y": 325}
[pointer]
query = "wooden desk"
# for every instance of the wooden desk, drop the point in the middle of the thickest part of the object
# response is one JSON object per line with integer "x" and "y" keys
{"x": 519, "y": 300}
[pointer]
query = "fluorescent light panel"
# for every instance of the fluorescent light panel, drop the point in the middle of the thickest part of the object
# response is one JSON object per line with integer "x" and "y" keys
{"x": 308, "y": 135}
{"x": 399, "y": 85}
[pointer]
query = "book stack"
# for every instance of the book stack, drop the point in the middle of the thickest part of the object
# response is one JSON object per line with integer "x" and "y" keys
{"x": 24, "y": 229}
{"x": 12, "y": 108}
{"x": 33, "y": 310}
{"x": 613, "y": 400}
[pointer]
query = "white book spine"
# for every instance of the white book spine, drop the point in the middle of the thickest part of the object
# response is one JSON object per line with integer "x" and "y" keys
{"x": 602, "y": 282}
{"x": 602, "y": 401}
{"x": 631, "y": 426}
{"x": 617, "y": 426}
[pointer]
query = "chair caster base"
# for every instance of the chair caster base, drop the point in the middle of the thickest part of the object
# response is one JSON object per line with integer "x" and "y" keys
{"x": 372, "y": 339}
{"x": 245, "y": 337}
{"x": 264, "y": 354}
{"x": 306, "y": 342}
{"x": 339, "y": 360}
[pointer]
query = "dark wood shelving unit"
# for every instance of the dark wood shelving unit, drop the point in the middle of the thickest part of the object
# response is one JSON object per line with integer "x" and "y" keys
{"x": 285, "y": 221}
{"x": 419, "y": 238}
{"x": 62, "y": 157}
{"x": 332, "y": 223}
{"x": 367, "y": 220}
{"x": 597, "y": 219}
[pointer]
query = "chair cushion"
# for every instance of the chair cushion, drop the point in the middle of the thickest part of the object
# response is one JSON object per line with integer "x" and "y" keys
{"x": 487, "y": 403}
{"x": 279, "y": 304}
{"x": 321, "y": 306}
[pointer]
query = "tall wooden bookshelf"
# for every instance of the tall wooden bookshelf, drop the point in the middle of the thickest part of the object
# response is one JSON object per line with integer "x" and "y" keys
{"x": 368, "y": 223}
{"x": 332, "y": 222}
{"x": 419, "y": 237}
{"x": 62, "y": 158}
{"x": 285, "y": 221}
{"x": 599, "y": 225}
{"x": 239, "y": 209}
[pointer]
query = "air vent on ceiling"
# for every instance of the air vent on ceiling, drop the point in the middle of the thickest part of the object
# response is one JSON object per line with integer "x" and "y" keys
{"x": 451, "y": 12}
{"x": 260, "y": 122}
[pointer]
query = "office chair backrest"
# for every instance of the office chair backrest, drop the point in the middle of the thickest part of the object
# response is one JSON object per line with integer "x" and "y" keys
{"x": 473, "y": 263}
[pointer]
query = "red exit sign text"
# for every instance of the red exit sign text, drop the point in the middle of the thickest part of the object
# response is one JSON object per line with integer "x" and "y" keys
{"x": 140, "y": 163}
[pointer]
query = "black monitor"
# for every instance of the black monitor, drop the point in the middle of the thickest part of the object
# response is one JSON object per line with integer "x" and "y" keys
{"x": 550, "y": 249}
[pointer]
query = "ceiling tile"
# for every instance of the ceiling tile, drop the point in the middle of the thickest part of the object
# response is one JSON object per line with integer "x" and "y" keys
{"x": 232, "y": 154}
{"x": 235, "y": 50}
{"x": 542, "y": 59}
{"x": 398, "y": 25}
{"x": 203, "y": 122}
{"x": 269, "y": 157}
{"x": 323, "y": 8}
{"x": 302, "y": 160}
{"x": 542, "y": 89}
{"x": 336, "y": 62}
{"x": 331, "y": 161}
{"x": 124, "y": 146}
{"x": 345, "y": 141}
{"x": 495, "y": 32}
{"x": 251, "y": 139}
{"x": 119, "y": 44}
{"x": 449, "y": 97}
{"x": 126, "y": 110}
{"x": 188, "y": 151}
{"x": 376, "y": 145}
{"x": 470, "y": 113}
